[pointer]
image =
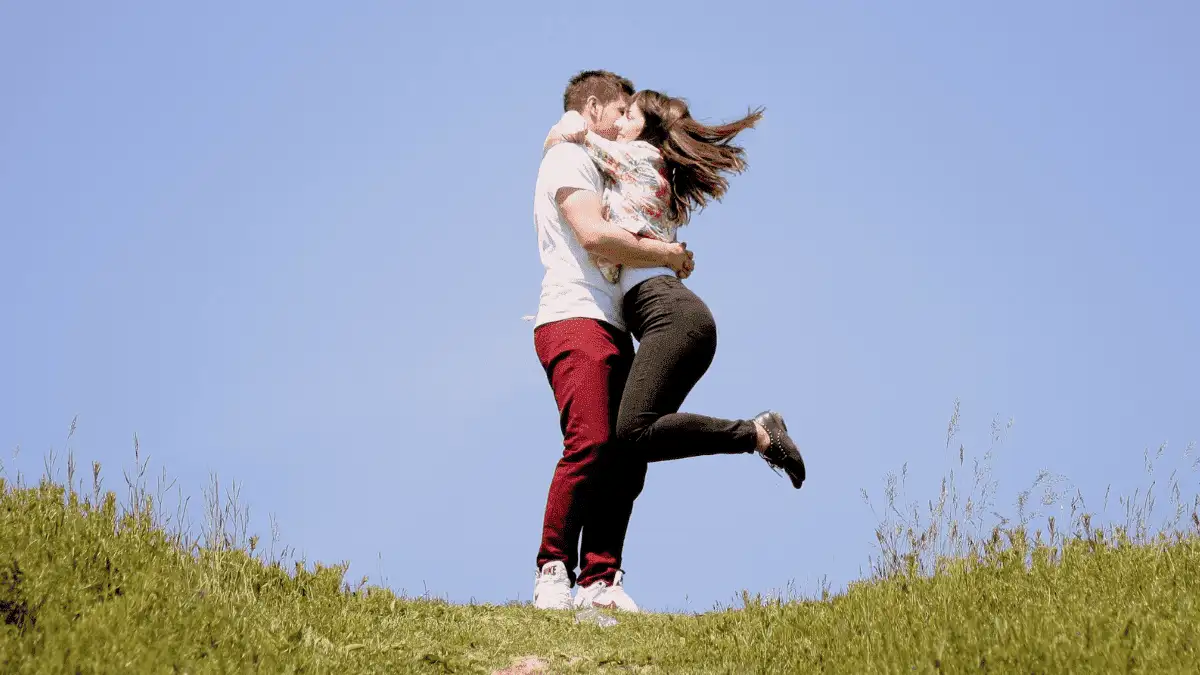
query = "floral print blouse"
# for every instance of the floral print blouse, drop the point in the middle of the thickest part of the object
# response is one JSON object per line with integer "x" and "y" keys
{"x": 637, "y": 192}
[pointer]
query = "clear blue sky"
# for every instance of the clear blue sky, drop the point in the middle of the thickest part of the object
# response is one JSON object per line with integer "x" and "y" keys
{"x": 292, "y": 243}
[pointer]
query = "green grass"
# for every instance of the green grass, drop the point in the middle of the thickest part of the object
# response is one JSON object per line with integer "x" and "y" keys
{"x": 88, "y": 585}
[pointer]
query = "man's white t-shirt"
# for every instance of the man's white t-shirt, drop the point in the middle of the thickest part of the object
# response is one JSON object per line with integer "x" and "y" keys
{"x": 573, "y": 286}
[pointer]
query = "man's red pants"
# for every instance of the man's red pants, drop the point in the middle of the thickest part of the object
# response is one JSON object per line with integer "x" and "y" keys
{"x": 594, "y": 486}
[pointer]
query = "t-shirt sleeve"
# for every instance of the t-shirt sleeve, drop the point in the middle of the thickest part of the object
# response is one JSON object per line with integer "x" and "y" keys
{"x": 567, "y": 165}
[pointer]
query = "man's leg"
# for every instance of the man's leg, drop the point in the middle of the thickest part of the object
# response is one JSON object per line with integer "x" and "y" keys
{"x": 621, "y": 481}
{"x": 586, "y": 363}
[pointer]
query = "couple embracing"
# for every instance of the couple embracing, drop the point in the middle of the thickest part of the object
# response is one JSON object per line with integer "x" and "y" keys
{"x": 621, "y": 171}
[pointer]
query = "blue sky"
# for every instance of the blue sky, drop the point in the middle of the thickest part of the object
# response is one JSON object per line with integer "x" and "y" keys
{"x": 291, "y": 244}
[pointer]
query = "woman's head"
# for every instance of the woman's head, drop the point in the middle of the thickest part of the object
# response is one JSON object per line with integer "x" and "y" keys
{"x": 649, "y": 117}
{"x": 695, "y": 154}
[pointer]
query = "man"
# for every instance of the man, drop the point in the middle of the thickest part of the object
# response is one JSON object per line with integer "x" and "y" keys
{"x": 582, "y": 343}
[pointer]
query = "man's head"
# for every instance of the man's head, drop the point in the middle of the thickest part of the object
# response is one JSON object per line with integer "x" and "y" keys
{"x": 601, "y": 97}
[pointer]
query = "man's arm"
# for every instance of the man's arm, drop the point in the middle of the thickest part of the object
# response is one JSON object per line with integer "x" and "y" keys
{"x": 581, "y": 209}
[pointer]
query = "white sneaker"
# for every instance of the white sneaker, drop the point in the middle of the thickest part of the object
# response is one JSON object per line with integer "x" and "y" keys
{"x": 587, "y": 594}
{"x": 552, "y": 589}
{"x": 601, "y": 595}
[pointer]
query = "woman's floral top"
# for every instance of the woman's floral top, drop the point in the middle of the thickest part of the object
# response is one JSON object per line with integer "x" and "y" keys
{"x": 638, "y": 191}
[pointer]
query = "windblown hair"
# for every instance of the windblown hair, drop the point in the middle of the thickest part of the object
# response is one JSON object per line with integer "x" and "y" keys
{"x": 696, "y": 154}
{"x": 605, "y": 86}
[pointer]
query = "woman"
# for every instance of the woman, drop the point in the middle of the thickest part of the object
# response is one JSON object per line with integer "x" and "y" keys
{"x": 663, "y": 165}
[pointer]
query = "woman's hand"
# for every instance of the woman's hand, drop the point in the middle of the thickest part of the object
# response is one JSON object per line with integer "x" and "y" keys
{"x": 572, "y": 127}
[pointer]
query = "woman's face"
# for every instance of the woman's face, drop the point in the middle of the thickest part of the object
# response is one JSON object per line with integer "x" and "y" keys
{"x": 630, "y": 125}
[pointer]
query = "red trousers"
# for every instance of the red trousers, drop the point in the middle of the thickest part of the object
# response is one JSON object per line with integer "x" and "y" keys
{"x": 594, "y": 486}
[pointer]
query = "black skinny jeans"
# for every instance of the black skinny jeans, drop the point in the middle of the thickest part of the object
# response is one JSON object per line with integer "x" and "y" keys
{"x": 677, "y": 340}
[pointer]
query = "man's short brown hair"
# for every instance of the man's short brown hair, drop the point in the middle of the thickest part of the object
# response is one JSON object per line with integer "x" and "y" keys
{"x": 605, "y": 86}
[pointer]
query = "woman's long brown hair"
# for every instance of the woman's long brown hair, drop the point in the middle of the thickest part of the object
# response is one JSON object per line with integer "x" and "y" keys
{"x": 695, "y": 154}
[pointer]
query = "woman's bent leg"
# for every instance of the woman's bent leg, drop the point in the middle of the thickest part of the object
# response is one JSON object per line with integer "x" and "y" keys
{"x": 677, "y": 339}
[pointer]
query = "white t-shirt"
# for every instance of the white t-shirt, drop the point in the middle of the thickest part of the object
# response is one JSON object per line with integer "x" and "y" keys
{"x": 573, "y": 286}
{"x": 632, "y": 276}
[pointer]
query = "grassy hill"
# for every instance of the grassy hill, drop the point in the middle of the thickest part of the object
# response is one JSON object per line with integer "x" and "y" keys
{"x": 90, "y": 586}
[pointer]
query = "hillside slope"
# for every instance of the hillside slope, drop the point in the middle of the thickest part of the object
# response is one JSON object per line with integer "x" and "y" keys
{"x": 92, "y": 589}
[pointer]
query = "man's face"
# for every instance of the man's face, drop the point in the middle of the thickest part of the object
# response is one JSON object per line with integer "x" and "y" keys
{"x": 603, "y": 119}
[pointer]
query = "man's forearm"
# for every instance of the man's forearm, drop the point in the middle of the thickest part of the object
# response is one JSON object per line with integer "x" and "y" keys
{"x": 622, "y": 246}
{"x": 582, "y": 211}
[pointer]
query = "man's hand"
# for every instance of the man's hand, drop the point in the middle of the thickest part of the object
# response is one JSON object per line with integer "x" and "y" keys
{"x": 681, "y": 260}
{"x": 687, "y": 270}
